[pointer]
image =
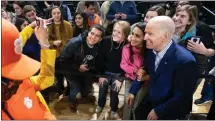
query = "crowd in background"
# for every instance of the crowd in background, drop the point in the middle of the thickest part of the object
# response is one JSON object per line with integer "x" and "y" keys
{"x": 107, "y": 38}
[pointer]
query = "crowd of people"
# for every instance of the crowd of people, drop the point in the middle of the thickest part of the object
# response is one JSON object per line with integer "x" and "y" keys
{"x": 161, "y": 57}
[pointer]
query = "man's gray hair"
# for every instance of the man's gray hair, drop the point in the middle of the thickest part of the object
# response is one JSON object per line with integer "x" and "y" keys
{"x": 166, "y": 24}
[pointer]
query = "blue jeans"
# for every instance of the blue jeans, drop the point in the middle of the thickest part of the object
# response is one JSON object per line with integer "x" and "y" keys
{"x": 103, "y": 90}
{"x": 59, "y": 78}
{"x": 207, "y": 93}
{"x": 81, "y": 85}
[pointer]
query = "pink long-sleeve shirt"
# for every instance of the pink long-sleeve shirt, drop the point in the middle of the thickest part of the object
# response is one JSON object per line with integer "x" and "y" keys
{"x": 129, "y": 67}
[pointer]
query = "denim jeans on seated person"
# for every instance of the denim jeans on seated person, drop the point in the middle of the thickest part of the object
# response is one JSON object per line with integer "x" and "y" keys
{"x": 103, "y": 90}
{"x": 207, "y": 93}
{"x": 79, "y": 84}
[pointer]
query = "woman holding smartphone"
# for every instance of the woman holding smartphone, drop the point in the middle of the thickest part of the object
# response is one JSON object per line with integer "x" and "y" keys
{"x": 196, "y": 37}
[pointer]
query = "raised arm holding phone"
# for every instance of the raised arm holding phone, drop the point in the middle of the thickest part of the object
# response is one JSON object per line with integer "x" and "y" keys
{"x": 24, "y": 100}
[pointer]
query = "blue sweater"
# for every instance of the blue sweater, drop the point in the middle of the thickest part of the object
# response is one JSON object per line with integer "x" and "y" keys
{"x": 32, "y": 48}
{"x": 128, "y": 8}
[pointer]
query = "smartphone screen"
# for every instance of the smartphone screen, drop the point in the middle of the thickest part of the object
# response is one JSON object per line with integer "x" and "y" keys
{"x": 38, "y": 22}
{"x": 48, "y": 24}
{"x": 196, "y": 39}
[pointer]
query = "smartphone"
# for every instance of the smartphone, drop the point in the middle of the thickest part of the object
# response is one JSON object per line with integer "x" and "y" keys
{"x": 196, "y": 38}
{"x": 48, "y": 24}
{"x": 38, "y": 22}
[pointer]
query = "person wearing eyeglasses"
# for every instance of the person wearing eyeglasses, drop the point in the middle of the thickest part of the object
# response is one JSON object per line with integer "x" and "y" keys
{"x": 79, "y": 56}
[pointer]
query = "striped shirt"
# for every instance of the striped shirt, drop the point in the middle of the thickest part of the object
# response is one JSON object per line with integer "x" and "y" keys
{"x": 160, "y": 55}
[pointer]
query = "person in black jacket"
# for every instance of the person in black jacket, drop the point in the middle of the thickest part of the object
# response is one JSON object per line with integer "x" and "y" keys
{"x": 79, "y": 56}
{"x": 207, "y": 50}
{"x": 109, "y": 58}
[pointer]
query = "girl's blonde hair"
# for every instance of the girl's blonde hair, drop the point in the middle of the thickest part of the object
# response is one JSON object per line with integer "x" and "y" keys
{"x": 125, "y": 27}
{"x": 125, "y": 31}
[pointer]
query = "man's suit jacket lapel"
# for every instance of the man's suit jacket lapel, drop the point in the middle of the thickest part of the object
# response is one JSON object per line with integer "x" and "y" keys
{"x": 151, "y": 62}
{"x": 166, "y": 60}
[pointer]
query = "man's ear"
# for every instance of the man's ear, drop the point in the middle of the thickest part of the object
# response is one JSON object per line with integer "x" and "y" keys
{"x": 167, "y": 36}
{"x": 35, "y": 13}
{"x": 85, "y": 8}
{"x": 88, "y": 33}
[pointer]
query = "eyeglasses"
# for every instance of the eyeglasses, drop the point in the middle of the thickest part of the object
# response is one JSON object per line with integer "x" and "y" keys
{"x": 97, "y": 35}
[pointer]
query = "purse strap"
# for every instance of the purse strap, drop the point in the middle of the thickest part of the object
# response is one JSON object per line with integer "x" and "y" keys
{"x": 6, "y": 111}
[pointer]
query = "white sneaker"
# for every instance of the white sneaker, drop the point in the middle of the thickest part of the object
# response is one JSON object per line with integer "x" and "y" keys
{"x": 114, "y": 115}
{"x": 99, "y": 109}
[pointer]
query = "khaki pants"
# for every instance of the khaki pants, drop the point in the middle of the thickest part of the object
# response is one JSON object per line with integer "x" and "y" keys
{"x": 128, "y": 113}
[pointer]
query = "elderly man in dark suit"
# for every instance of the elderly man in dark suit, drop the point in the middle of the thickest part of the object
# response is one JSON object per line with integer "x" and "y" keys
{"x": 173, "y": 74}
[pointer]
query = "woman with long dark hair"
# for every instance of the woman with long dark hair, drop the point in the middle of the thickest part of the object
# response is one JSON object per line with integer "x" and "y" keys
{"x": 132, "y": 64}
{"x": 60, "y": 31}
{"x": 80, "y": 21}
{"x": 18, "y": 8}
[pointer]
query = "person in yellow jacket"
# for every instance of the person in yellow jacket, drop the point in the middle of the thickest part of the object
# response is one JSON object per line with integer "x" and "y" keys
{"x": 20, "y": 91}
{"x": 25, "y": 34}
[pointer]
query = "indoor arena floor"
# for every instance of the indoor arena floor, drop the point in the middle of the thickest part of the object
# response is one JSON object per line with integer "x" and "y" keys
{"x": 86, "y": 111}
